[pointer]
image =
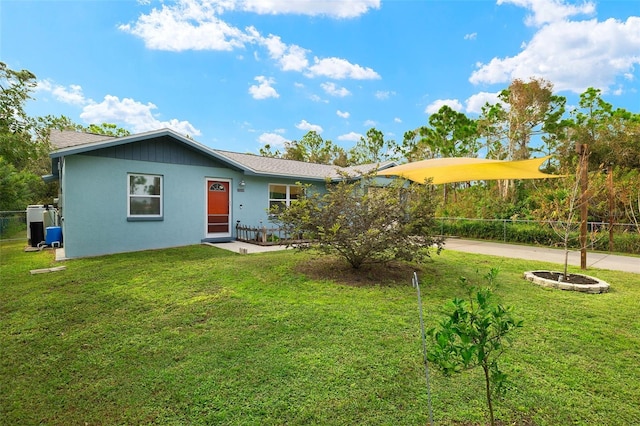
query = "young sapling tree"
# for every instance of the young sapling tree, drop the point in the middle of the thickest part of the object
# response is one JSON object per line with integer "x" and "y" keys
{"x": 475, "y": 334}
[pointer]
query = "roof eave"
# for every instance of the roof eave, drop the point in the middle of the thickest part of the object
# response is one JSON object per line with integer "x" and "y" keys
{"x": 50, "y": 178}
{"x": 250, "y": 172}
{"x": 109, "y": 143}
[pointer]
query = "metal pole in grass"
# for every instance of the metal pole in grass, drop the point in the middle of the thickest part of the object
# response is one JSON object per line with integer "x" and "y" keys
{"x": 416, "y": 285}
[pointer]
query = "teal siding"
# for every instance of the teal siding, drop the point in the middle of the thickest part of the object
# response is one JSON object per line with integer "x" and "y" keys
{"x": 162, "y": 149}
{"x": 255, "y": 199}
{"x": 94, "y": 208}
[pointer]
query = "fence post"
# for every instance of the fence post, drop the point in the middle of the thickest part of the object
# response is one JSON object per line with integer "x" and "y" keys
{"x": 504, "y": 230}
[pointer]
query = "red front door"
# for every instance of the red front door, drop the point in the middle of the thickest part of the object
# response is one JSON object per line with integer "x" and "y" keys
{"x": 217, "y": 207}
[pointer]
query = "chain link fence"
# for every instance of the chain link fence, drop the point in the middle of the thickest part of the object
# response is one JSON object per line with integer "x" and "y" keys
{"x": 506, "y": 224}
{"x": 626, "y": 236}
{"x": 13, "y": 225}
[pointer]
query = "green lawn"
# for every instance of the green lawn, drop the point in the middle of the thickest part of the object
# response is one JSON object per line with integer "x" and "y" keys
{"x": 198, "y": 335}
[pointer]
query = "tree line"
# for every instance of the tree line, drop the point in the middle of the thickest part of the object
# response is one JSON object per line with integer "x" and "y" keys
{"x": 528, "y": 120}
{"x": 24, "y": 142}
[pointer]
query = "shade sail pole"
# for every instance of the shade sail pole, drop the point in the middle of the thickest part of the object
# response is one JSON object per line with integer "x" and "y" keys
{"x": 583, "y": 150}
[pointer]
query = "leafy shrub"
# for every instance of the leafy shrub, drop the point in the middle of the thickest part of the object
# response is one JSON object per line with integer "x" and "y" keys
{"x": 364, "y": 224}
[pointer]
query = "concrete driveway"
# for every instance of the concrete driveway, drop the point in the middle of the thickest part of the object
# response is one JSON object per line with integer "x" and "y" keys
{"x": 553, "y": 255}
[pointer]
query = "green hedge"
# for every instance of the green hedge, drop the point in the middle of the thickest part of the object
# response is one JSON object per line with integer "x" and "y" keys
{"x": 531, "y": 233}
{"x": 624, "y": 243}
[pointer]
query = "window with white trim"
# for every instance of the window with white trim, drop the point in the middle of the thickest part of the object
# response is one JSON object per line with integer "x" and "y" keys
{"x": 144, "y": 198}
{"x": 283, "y": 195}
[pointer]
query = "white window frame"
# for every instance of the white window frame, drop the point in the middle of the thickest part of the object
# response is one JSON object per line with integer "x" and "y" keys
{"x": 287, "y": 200}
{"x": 130, "y": 196}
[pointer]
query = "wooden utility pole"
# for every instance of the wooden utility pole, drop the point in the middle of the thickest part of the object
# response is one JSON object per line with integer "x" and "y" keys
{"x": 583, "y": 150}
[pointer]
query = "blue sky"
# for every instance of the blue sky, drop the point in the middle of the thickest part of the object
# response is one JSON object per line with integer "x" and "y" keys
{"x": 237, "y": 74}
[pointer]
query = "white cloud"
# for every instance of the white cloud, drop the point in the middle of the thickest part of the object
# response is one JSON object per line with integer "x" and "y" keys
{"x": 384, "y": 94}
{"x": 133, "y": 114}
{"x": 334, "y": 8}
{"x": 334, "y": 68}
{"x": 574, "y": 55}
{"x": 343, "y": 114}
{"x": 289, "y": 57}
{"x": 182, "y": 127}
{"x": 397, "y": 120}
{"x": 274, "y": 45}
{"x": 69, "y": 95}
{"x": 317, "y": 98}
{"x": 476, "y": 102}
{"x": 264, "y": 89}
{"x": 305, "y": 125}
{"x": 339, "y": 69}
{"x": 548, "y": 11}
{"x": 127, "y": 112}
{"x": 187, "y": 25}
{"x": 473, "y": 104}
{"x": 272, "y": 139}
{"x": 369, "y": 123}
{"x": 246, "y": 125}
{"x": 351, "y": 136}
{"x": 295, "y": 59}
{"x": 197, "y": 25}
{"x": 435, "y": 106}
{"x": 332, "y": 89}
{"x": 471, "y": 36}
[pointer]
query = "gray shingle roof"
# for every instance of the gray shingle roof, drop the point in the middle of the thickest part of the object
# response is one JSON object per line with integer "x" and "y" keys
{"x": 70, "y": 142}
{"x": 67, "y": 138}
{"x": 281, "y": 167}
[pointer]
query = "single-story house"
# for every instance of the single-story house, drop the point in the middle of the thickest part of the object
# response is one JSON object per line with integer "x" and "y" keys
{"x": 159, "y": 189}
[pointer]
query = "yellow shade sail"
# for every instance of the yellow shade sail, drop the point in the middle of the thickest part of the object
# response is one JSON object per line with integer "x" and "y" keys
{"x": 462, "y": 169}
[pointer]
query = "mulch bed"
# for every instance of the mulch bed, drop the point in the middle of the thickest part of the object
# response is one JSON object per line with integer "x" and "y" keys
{"x": 571, "y": 278}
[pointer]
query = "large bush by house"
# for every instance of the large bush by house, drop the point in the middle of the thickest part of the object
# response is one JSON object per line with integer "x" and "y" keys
{"x": 363, "y": 223}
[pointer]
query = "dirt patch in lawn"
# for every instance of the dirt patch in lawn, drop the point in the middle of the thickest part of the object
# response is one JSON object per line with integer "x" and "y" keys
{"x": 335, "y": 269}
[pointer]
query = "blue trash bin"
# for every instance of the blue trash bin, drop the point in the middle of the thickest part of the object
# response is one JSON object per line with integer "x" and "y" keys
{"x": 54, "y": 235}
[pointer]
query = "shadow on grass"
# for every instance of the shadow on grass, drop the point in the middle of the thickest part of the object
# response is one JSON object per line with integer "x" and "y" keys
{"x": 328, "y": 268}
